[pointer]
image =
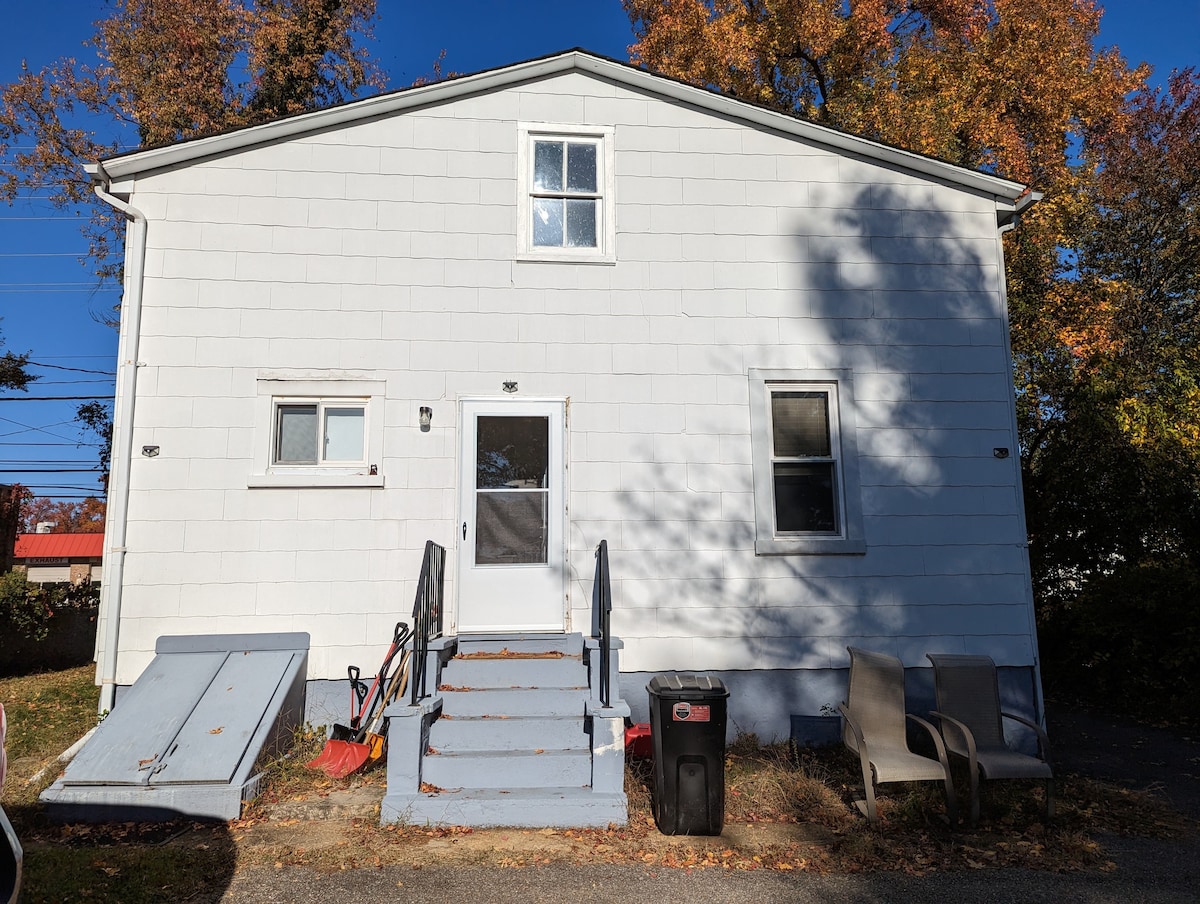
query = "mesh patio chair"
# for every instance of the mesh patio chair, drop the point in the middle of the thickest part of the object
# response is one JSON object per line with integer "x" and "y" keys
{"x": 874, "y": 728}
{"x": 968, "y": 701}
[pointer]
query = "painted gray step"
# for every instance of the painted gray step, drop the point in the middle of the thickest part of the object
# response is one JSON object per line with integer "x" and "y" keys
{"x": 507, "y": 769}
{"x": 570, "y": 644}
{"x": 542, "y": 808}
{"x": 517, "y": 733}
{"x": 506, "y": 701}
{"x": 475, "y": 674}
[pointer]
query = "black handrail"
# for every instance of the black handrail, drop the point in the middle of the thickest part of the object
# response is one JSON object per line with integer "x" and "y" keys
{"x": 427, "y": 614}
{"x": 603, "y": 596}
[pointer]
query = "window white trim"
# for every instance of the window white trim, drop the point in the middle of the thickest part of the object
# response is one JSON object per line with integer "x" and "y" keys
{"x": 274, "y": 392}
{"x": 847, "y": 537}
{"x": 606, "y": 231}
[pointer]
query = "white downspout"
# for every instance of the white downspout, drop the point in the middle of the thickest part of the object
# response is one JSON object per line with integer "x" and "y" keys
{"x": 1007, "y": 225}
{"x": 117, "y": 515}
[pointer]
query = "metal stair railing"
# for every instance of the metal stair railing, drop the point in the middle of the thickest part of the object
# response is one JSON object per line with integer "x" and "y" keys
{"x": 427, "y": 615}
{"x": 602, "y": 596}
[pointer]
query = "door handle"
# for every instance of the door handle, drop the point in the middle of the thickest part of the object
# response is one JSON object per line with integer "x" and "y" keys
{"x": 464, "y": 530}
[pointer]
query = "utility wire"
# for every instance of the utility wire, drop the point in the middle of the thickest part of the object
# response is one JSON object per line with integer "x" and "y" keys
{"x": 55, "y": 398}
{"x": 81, "y": 370}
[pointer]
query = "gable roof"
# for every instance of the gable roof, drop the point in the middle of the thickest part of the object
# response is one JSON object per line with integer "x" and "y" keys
{"x": 132, "y": 163}
{"x": 59, "y": 546}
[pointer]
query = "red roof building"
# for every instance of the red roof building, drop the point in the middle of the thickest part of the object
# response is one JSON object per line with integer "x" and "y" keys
{"x": 48, "y": 558}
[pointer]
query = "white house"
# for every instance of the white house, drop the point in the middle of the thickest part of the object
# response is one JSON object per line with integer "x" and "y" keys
{"x": 767, "y": 361}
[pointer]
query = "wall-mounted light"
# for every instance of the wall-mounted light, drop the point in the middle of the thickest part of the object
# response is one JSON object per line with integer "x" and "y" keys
{"x": 509, "y": 386}
{"x": 150, "y": 451}
{"x": 1000, "y": 452}
{"x": 426, "y": 416}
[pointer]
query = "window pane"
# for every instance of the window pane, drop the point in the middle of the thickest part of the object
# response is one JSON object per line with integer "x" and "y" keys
{"x": 344, "y": 434}
{"x": 547, "y": 166}
{"x": 804, "y": 497}
{"x": 581, "y": 224}
{"x": 548, "y": 221}
{"x": 511, "y": 527}
{"x": 581, "y": 167}
{"x": 296, "y": 435}
{"x": 512, "y": 452}
{"x": 800, "y": 424}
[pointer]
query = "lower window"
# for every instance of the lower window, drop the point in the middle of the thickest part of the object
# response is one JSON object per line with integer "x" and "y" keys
{"x": 319, "y": 432}
{"x": 806, "y": 493}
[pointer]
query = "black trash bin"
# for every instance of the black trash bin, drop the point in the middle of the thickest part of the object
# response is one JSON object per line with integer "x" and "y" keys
{"x": 687, "y": 727}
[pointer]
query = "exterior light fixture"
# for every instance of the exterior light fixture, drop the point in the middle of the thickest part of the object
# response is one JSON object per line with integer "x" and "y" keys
{"x": 509, "y": 386}
{"x": 426, "y": 414}
{"x": 150, "y": 451}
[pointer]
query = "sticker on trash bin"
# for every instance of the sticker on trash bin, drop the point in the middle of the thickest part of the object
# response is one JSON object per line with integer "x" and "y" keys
{"x": 691, "y": 712}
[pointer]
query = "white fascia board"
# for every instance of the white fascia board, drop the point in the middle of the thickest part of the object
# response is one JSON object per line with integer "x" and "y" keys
{"x": 639, "y": 79}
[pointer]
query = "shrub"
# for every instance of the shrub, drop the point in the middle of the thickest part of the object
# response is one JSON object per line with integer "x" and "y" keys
{"x": 26, "y": 608}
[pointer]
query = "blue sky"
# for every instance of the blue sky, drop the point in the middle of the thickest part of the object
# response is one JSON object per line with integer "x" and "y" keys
{"x": 48, "y": 300}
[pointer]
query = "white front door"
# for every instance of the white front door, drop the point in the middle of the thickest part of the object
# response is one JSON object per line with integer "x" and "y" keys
{"x": 511, "y": 569}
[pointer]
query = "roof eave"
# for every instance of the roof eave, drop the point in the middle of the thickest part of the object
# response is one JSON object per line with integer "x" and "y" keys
{"x": 134, "y": 163}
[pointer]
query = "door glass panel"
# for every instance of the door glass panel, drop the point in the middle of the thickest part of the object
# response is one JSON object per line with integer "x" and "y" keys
{"x": 511, "y": 477}
{"x": 512, "y": 452}
{"x": 510, "y": 527}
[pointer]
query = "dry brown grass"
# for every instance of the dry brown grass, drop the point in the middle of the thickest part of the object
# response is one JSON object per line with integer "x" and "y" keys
{"x": 786, "y": 809}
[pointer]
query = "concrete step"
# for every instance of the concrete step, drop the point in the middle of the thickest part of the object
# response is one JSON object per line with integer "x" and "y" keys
{"x": 507, "y": 769}
{"x": 569, "y": 644}
{"x": 566, "y": 807}
{"x": 507, "y": 701}
{"x": 459, "y": 734}
{"x": 514, "y": 671}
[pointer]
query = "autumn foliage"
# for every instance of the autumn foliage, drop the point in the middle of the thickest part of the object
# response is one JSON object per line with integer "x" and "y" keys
{"x": 1103, "y": 273}
{"x": 166, "y": 70}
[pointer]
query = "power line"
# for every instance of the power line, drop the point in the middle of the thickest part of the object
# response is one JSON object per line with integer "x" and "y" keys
{"x": 56, "y": 398}
{"x": 81, "y": 370}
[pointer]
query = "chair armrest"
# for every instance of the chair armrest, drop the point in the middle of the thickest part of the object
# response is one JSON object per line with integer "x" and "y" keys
{"x": 938, "y": 744}
{"x": 972, "y": 751}
{"x": 859, "y": 740}
{"x": 1043, "y": 739}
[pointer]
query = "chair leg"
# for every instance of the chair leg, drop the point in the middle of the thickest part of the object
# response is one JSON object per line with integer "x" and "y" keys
{"x": 869, "y": 790}
{"x": 1049, "y": 799}
{"x": 951, "y": 801}
{"x": 974, "y": 798}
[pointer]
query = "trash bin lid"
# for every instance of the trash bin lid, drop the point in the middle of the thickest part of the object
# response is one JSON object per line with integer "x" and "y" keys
{"x": 686, "y": 687}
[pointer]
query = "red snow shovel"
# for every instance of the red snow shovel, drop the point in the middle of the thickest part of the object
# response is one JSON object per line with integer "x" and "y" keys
{"x": 345, "y": 751}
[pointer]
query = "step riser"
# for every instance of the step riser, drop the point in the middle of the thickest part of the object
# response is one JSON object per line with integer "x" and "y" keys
{"x": 459, "y": 735}
{"x": 479, "y": 674}
{"x": 512, "y": 770}
{"x": 546, "y": 702}
{"x": 570, "y": 644}
{"x": 552, "y": 809}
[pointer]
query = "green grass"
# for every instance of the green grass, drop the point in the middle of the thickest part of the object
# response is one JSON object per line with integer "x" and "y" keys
{"x": 47, "y": 713}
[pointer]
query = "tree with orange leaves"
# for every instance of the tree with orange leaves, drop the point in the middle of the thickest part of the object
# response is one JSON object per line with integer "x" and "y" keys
{"x": 173, "y": 69}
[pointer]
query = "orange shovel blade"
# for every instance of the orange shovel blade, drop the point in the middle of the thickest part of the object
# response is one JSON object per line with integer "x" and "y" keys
{"x": 340, "y": 758}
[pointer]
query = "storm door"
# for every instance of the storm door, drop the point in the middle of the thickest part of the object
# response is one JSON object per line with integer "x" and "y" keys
{"x": 511, "y": 569}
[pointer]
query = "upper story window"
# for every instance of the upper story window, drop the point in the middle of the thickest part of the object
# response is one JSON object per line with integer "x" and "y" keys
{"x": 806, "y": 494}
{"x": 566, "y": 191}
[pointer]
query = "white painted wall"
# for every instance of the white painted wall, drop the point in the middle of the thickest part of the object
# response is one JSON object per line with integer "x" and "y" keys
{"x": 387, "y": 249}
